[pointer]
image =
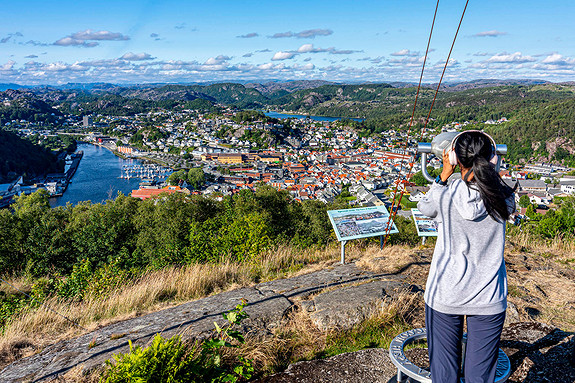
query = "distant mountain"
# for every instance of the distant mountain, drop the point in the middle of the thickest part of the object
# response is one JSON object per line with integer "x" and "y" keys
{"x": 24, "y": 105}
{"x": 4, "y": 87}
{"x": 274, "y": 89}
{"x": 341, "y": 97}
{"x": 226, "y": 93}
{"x": 483, "y": 83}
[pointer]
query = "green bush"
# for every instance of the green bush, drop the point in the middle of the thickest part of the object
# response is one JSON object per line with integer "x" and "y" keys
{"x": 10, "y": 305}
{"x": 173, "y": 361}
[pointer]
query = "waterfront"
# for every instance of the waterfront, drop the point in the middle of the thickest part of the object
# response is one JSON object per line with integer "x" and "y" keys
{"x": 314, "y": 118}
{"x": 97, "y": 177}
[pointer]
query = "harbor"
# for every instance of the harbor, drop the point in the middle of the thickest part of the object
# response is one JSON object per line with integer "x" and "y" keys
{"x": 101, "y": 175}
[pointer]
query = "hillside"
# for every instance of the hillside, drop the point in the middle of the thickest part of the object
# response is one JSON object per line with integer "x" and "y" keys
{"x": 19, "y": 156}
{"x": 328, "y": 309}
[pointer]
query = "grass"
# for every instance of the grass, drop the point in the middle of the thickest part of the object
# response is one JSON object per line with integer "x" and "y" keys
{"x": 559, "y": 249}
{"x": 34, "y": 328}
{"x": 546, "y": 285}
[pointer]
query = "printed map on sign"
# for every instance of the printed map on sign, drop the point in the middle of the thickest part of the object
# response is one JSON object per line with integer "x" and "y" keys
{"x": 361, "y": 222}
{"x": 426, "y": 227}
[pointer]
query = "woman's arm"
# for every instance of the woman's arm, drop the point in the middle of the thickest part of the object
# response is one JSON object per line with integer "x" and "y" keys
{"x": 429, "y": 203}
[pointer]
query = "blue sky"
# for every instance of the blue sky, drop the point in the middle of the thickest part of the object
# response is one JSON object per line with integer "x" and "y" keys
{"x": 194, "y": 41}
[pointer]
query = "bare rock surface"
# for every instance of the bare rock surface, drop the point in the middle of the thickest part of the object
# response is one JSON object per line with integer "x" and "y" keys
{"x": 372, "y": 365}
{"x": 343, "y": 308}
{"x": 267, "y": 305}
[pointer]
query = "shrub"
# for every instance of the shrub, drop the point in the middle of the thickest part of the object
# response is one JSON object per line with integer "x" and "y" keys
{"x": 173, "y": 361}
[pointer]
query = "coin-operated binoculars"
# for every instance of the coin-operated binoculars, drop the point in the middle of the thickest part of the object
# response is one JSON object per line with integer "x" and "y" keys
{"x": 445, "y": 141}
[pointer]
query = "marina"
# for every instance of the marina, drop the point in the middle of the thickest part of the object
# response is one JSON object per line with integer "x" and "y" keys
{"x": 145, "y": 172}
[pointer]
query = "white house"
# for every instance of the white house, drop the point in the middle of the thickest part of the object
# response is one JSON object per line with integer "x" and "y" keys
{"x": 568, "y": 187}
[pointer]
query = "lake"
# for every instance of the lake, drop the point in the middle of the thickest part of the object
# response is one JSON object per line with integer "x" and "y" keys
{"x": 315, "y": 118}
{"x": 97, "y": 178}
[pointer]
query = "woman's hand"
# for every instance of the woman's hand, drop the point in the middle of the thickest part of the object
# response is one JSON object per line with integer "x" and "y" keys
{"x": 448, "y": 169}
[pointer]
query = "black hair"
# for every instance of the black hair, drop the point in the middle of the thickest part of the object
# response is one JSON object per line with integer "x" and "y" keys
{"x": 474, "y": 151}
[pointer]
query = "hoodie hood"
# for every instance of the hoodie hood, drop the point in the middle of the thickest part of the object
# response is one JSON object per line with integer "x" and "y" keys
{"x": 467, "y": 200}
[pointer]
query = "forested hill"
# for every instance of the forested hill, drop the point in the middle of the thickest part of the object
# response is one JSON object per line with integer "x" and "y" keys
{"x": 19, "y": 156}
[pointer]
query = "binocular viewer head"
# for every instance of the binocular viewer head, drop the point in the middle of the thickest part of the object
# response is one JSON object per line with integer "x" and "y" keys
{"x": 444, "y": 141}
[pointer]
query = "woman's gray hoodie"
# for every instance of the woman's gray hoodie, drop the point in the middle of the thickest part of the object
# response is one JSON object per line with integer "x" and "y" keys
{"x": 467, "y": 274}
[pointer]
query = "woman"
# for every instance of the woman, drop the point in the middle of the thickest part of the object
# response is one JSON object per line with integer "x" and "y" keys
{"x": 467, "y": 275}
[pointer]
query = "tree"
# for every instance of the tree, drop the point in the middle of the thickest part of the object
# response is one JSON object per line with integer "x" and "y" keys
{"x": 420, "y": 180}
{"x": 524, "y": 201}
{"x": 177, "y": 177}
{"x": 196, "y": 178}
{"x": 531, "y": 212}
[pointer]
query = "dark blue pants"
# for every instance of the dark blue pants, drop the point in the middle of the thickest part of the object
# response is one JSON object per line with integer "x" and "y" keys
{"x": 444, "y": 334}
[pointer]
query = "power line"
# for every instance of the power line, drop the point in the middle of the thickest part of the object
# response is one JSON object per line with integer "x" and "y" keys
{"x": 413, "y": 112}
{"x": 394, "y": 211}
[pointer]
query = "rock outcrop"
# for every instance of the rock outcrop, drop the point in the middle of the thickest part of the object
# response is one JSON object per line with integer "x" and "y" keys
{"x": 267, "y": 305}
{"x": 339, "y": 296}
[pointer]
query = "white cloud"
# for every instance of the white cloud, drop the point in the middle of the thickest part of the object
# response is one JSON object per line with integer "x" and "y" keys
{"x": 492, "y": 33}
{"x": 217, "y": 60}
{"x": 305, "y": 48}
{"x": 248, "y": 36}
{"x": 307, "y": 34}
{"x": 137, "y": 56}
{"x": 306, "y": 67}
{"x": 512, "y": 58}
{"x": 405, "y": 52}
{"x": 8, "y": 66}
{"x": 90, "y": 34}
{"x": 312, "y": 33}
{"x": 89, "y": 38}
{"x": 281, "y": 55}
{"x": 69, "y": 41}
{"x": 405, "y": 66}
{"x": 557, "y": 59}
{"x": 309, "y": 48}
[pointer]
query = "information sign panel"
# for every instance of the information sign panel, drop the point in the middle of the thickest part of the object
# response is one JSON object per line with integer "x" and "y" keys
{"x": 426, "y": 227}
{"x": 361, "y": 222}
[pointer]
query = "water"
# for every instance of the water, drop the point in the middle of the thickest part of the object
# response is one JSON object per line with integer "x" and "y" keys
{"x": 315, "y": 118}
{"x": 97, "y": 178}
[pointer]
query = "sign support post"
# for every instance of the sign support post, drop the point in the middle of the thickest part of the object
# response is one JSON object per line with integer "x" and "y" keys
{"x": 343, "y": 243}
{"x": 381, "y": 242}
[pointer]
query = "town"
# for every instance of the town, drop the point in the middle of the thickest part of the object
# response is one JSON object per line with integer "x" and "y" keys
{"x": 310, "y": 159}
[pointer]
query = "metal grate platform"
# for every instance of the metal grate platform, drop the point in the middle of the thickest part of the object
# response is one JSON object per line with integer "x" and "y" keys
{"x": 406, "y": 369}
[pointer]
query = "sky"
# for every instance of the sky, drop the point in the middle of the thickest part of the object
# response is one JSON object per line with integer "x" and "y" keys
{"x": 169, "y": 41}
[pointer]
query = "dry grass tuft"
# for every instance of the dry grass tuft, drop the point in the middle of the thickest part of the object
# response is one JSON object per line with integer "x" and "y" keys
{"x": 78, "y": 375}
{"x": 389, "y": 260}
{"x": 561, "y": 248}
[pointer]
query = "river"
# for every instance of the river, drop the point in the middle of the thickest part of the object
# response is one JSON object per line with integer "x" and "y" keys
{"x": 315, "y": 118}
{"x": 97, "y": 178}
